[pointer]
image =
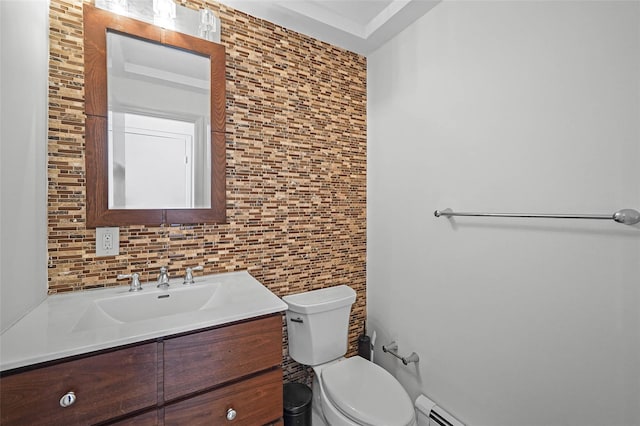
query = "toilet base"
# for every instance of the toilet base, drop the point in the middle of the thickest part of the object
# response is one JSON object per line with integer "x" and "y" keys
{"x": 316, "y": 418}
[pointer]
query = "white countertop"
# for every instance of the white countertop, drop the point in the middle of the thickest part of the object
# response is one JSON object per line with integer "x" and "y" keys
{"x": 53, "y": 330}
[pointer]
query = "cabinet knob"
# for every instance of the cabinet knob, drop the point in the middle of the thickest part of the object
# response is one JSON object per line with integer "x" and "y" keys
{"x": 231, "y": 414}
{"x": 68, "y": 399}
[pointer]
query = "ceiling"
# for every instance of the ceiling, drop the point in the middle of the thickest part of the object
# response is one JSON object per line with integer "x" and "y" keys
{"x": 360, "y": 26}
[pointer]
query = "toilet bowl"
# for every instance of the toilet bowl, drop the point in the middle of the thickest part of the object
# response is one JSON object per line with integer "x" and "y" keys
{"x": 346, "y": 391}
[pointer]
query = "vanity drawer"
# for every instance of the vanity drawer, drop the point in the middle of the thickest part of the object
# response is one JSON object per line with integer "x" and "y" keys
{"x": 105, "y": 386}
{"x": 199, "y": 361}
{"x": 256, "y": 401}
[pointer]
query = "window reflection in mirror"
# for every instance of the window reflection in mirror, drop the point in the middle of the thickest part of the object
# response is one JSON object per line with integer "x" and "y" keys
{"x": 158, "y": 125}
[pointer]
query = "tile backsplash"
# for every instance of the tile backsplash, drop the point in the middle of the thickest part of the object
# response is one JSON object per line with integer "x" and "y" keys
{"x": 296, "y": 169}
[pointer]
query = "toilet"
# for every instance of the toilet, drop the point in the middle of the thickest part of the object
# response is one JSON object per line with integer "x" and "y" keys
{"x": 346, "y": 391}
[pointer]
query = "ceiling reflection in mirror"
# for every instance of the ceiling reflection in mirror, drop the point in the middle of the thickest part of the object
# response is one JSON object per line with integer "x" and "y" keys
{"x": 158, "y": 125}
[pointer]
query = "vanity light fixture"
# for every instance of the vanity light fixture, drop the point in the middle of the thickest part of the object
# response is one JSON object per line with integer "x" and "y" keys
{"x": 208, "y": 24}
{"x": 121, "y": 7}
{"x": 164, "y": 13}
{"x": 168, "y": 14}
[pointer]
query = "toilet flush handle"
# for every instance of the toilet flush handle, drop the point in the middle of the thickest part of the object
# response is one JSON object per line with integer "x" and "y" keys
{"x": 296, "y": 320}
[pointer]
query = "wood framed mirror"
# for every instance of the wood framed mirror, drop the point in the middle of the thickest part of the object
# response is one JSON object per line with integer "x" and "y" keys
{"x": 151, "y": 156}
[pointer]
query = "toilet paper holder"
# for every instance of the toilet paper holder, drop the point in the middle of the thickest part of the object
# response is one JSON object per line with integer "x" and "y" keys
{"x": 392, "y": 348}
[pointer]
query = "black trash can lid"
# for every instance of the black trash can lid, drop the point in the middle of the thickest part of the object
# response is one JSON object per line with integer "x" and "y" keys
{"x": 297, "y": 398}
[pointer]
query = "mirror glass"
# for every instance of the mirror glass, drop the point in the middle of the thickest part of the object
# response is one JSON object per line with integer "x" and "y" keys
{"x": 159, "y": 129}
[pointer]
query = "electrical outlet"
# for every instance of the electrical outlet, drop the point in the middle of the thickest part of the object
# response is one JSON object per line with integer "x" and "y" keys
{"x": 107, "y": 241}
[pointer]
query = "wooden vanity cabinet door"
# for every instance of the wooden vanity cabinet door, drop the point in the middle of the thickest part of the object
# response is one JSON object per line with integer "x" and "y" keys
{"x": 256, "y": 401}
{"x": 206, "y": 359}
{"x": 107, "y": 385}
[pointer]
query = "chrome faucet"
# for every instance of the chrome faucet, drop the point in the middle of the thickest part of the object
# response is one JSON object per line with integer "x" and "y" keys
{"x": 135, "y": 281}
{"x": 163, "y": 278}
{"x": 188, "y": 276}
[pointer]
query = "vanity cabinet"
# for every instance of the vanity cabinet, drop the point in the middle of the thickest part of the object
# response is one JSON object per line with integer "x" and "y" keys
{"x": 150, "y": 418}
{"x": 204, "y": 377}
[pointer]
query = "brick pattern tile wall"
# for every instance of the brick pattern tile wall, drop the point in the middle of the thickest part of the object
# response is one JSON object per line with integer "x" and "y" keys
{"x": 296, "y": 170}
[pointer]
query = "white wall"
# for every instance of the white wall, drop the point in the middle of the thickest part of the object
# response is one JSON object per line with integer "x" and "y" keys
{"x": 23, "y": 142}
{"x": 509, "y": 106}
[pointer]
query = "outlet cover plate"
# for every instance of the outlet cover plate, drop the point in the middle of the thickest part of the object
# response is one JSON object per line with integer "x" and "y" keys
{"x": 107, "y": 241}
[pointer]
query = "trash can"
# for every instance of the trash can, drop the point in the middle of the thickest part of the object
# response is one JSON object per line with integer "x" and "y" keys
{"x": 297, "y": 404}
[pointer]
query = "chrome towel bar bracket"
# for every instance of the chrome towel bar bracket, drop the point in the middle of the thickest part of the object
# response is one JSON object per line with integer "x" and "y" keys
{"x": 392, "y": 348}
{"x": 625, "y": 216}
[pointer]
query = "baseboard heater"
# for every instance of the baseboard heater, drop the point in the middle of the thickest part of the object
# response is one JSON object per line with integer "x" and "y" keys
{"x": 432, "y": 415}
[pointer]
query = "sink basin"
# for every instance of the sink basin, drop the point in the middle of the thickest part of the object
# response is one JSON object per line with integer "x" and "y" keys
{"x": 146, "y": 305}
{"x": 156, "y": 304}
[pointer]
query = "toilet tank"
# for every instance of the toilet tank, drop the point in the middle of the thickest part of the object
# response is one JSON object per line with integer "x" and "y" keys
{"x": 318, "y": 324}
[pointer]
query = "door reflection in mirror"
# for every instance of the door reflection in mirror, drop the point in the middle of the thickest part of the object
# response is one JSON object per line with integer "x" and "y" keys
{"x": 158, "y": 124}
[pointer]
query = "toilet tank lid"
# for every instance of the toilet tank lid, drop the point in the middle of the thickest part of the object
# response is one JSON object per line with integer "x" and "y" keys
{"x": 325, "y": 299}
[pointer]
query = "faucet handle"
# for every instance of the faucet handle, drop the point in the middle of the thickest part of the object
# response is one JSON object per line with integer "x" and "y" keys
{"x": 135, "y": 281}
{"x": 163, "y": 278}
{"x": 188, "y": 276}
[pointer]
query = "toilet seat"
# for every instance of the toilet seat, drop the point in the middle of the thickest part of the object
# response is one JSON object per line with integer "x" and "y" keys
{"x": 366, "y": 393}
